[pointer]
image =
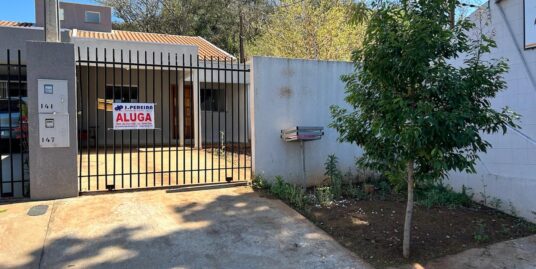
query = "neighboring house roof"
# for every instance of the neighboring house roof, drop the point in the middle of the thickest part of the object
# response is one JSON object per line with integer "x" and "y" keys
{"x": 16, "y": 24}
{"x": 206, "y": 49}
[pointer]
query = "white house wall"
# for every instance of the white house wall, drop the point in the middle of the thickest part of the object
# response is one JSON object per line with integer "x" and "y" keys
{"x": 507, "y": 172}
{"x": 292, "y": 92}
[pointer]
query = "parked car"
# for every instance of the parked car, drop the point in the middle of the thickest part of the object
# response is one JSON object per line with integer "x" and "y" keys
{"x": 13, "y": 124}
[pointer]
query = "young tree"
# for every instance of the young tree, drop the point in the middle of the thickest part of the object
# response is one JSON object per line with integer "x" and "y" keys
{"x": 310, "y": 29}
{"x": 416, "y": 113}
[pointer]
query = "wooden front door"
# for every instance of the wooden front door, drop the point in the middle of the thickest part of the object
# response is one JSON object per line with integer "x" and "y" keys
{"x": 187, "y": 111}
{"x": 188, "y": 104}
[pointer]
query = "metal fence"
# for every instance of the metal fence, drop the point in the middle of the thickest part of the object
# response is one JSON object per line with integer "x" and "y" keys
{"x": 14, "y": 170}
{"x": 201, "y": 133}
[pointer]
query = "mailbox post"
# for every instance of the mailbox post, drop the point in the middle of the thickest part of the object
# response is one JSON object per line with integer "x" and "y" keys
{"x": 302, "y": 134}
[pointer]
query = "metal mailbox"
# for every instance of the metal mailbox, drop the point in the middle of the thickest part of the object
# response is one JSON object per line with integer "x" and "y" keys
{"x": 302, "y": 134}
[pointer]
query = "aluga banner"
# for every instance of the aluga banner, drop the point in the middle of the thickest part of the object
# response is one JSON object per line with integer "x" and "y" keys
{"x": 133, "y": 116}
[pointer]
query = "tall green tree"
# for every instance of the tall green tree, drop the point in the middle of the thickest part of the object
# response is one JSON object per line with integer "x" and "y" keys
{"x": 416, "y": 113}
{"x": 311, "y": 29}
{"x": 222, "y": 22}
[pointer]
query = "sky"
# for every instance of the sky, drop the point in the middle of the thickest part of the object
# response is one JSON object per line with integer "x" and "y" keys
{"x": 24, "y": 11}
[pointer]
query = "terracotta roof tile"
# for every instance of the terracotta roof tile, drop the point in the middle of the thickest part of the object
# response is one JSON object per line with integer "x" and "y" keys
{"x": 206, "y": 49}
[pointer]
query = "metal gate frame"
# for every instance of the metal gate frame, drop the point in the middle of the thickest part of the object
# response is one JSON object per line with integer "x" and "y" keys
{"x": 208, "y": 168}
{"x": 14, "y": 136}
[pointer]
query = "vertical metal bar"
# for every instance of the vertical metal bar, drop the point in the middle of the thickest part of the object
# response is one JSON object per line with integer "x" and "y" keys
{"x": 212, "y": 120}
{"x": 183, "y": 120}
{"x": 79, "y": 122}
{"x": 232, "y": 120}
{"x": 162, "y": 129}
{"x": 105, "y": 119}
{"x": 88, "y": 147}
{"x": 154, "y": 130}
{"x": 130, "y": 131}
{"x": 192, "y": 125}
{"x": 146, "y": 131}
{"x": 219, "y": 119}
{"x": 205, "y": 109}
{"x": 169, "y": 113}
{"x": 10, "y": 130}
{"x": 138, "y": 98}
{"x": 177, "y": 119}
{"x": 225, "y": 114}
{"x": 97, "y": 172}
{"x": 199, "y": 141}
{"x": 245, "y": 120}
{"x": 113, "y": 101}
{"x": 1, "y": 169}
{"x": 122, "y": 132}
{"x": 238, "y": 117}
{"x": 23, "y": 129}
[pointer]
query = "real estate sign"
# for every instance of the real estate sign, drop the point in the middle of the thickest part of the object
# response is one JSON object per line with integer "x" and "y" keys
{"x": 530, "y": 23}
{"x": 133, "y": 116}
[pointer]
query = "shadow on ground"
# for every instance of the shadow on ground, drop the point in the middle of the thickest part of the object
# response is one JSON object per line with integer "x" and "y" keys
{"x": 231, "y": 228}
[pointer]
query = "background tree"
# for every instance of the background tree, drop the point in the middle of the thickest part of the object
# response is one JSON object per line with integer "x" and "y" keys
{"x": 311, "y": 29}
{"x": 416, "y": 114}
{"x": 218, "y": 21}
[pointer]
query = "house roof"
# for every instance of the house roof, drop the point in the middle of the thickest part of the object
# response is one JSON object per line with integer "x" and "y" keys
{"x": 206, "y": 49}
{"x": 15, "y": 24}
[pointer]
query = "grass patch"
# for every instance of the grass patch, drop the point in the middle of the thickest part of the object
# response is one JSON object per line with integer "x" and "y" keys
{"x": 439, "y": 195}
{"x": 3, "y": 210}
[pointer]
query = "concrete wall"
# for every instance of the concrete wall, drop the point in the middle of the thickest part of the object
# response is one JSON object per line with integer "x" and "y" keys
{"x": 14, "y": 39}
{"x": 53, "y": 170}
{"x": 74, "y": 16}
{"x": 508, "y": 171}
{"x": 292, "y": 92}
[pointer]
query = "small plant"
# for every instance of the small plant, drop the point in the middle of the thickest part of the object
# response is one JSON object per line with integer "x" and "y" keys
{"x": 354, "y": 192}
{"x": 439, "y": 195}
{"x": 294, "y": 195}
{"x": 221, "y": 150}
{"x": 3, "y": 210}
{"x": 335, "y": 176}
{"x": 259, "y": 183}
{"x": 513, "y": 210}
{"x": 495, "y": 202}
{"x": 480, "y": 234}
{"x": 324, "y": 196}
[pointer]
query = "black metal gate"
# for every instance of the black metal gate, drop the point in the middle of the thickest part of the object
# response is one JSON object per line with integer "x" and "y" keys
{"x": 14, "y": 167}
{"x": 201, "y": 115}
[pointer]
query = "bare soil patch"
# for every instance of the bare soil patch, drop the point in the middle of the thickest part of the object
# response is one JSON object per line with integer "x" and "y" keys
{"x": 372, "y": 228}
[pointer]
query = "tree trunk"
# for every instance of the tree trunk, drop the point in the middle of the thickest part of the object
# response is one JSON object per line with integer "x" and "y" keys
{"x": 409, "y": 211}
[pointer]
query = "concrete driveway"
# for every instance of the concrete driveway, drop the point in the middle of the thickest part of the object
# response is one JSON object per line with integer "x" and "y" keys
{"x": 223, "y": 228}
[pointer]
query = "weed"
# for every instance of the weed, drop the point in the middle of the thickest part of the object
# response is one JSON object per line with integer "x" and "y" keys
{"x": 3, "y": 210}
{"x": 495, "y": 203}
{"x": 258, "y": 182}
{"x": 324, "y": 196}
{"x": 513, "y": 210}
{"x": 354, "y": 192}
{"x": 442, "y": 196}
{"x": 480, "y": 234}
{"x": 335, "y": 176}
{"x": 295, "y": 195}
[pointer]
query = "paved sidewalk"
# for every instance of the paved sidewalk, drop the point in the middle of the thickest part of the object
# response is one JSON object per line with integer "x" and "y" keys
{"x": 513, "y": 254}
{"x": 223, "y": 228}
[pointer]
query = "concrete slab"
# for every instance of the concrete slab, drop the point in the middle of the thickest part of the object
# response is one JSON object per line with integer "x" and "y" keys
{"x": 222, "y": 228}
{"x": 513, "y": 254}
